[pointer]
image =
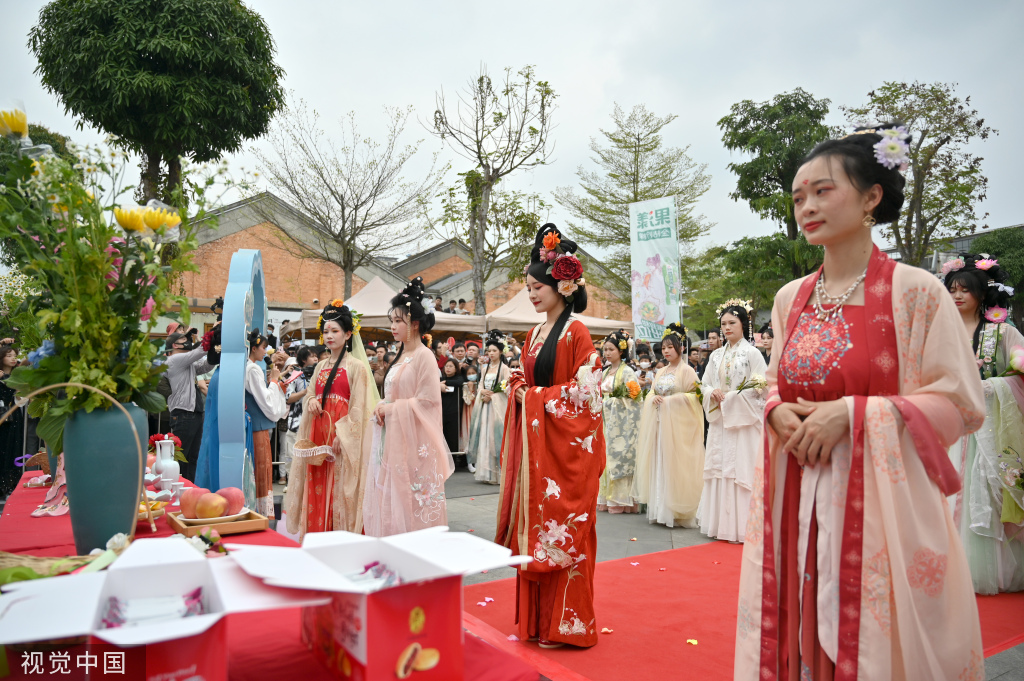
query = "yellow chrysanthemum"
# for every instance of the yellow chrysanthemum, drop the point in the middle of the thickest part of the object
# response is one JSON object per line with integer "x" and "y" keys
{"x": 130, "y": 219}
{"x": 13, "y": 123}
{"x": 158, "y": 218}
{"x": 337, "y": 302}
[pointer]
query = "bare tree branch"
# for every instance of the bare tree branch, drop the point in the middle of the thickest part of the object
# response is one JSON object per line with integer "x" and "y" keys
{"x": 353, "y": 190}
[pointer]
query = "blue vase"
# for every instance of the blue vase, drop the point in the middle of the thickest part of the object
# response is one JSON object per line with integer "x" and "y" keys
{"x": 104, "y": 474}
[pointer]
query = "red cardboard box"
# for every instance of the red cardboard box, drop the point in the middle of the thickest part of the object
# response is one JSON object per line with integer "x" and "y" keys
{"x": 192, "y": 647}
{"x": 413, "y": 630}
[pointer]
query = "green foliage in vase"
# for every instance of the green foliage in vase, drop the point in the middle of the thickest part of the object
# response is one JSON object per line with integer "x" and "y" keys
{"x": 98, "y": 289}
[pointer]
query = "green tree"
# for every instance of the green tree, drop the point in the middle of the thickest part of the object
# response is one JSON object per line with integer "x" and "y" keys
{"x": 705, "y": 282}
{"x": 170, "y": 78}
{"x": 633, "y": 166}
{"x": 502, "y": 129}
{"x": 761, "y": 265}
{"x": 512, "y": 222}
{"x": 945, "y": 182}
{"x": 1007, "y": 246}
{"x": 777, "y": 135}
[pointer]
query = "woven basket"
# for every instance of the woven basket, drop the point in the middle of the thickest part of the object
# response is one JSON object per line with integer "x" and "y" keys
{"x": 312, "y": 453}
{"x": 40, "y": 459}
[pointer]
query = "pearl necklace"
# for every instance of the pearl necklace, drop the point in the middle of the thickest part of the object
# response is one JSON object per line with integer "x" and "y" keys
{"x": 822, "y": 298}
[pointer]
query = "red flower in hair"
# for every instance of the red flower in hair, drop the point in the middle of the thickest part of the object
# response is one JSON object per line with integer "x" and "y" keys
{"x": 567, "y": 268}
{"x": 208, "y": 340}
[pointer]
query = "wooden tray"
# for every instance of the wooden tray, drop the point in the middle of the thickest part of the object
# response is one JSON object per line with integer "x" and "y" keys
{"x": 252, "y": 522}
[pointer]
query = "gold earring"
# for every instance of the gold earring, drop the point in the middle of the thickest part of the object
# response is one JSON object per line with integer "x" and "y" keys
{"x": 868, "y": 221}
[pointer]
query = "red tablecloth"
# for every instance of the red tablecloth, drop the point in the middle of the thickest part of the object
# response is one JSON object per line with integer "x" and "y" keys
{"x": 261, "y": 645}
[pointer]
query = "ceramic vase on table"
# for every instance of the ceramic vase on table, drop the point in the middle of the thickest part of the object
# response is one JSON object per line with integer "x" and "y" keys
{"x": 104, "y": 473}
{"x": 170, "y": 469}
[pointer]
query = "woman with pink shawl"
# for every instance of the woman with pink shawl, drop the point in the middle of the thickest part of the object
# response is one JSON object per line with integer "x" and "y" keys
{"x": 852, "y": 567}
{"x": 409, "y": 459}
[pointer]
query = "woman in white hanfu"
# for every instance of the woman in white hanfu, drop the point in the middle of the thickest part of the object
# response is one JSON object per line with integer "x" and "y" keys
{"x": 734, "y": 405}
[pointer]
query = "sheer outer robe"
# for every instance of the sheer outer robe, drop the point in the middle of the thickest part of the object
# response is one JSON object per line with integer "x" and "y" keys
{"x": 409, "y": 460}
{"x": 734, "y": 434}
{"x": 677, "y": 426}
{"x": 351, "y": 450}
{"x": 916, "y": 616}
{"x": 553, "y": 453}
{"x": 486, "y": 427}
{"x": 995, "y": 552}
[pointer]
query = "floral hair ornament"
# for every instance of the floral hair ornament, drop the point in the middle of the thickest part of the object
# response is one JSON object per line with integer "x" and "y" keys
{"x": 996, "y": 314}
{"x": 674, "y": 329}
{"x": 893, "y": 150}
{"x": 564, "y": 267}
{"x": 734, "y": 302}
{"x": 986, "y": 263}
{"x": 952, "y": 265}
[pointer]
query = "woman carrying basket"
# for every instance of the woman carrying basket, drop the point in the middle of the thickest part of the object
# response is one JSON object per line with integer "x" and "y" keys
{"x": 328, "y": 473}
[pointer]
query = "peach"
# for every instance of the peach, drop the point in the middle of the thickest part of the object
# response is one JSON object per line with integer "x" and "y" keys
{"x": 211, "y": 506}
{"x": 189, "y": 497}
{"x": 235, "y": 497}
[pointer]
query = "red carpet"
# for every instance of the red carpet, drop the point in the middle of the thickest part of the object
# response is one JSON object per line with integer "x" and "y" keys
{"x": 652, "y": 614}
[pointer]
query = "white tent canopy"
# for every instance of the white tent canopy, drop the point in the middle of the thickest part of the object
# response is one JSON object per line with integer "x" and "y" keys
{"x": 519, "y": 314}
{"x": 373, "y": 301}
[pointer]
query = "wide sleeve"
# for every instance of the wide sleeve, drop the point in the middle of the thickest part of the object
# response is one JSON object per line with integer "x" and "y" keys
{"x": 746, "y": 407}
{"x": 645, "y": 440}
{"x": 415, "y": 411}
{"x": 938, "y": 371}
{"x": 270, "y": 399}
{"x": 710, "y": 382}
{"x": 565, "y": 454}
{"x": 352, "y": 447}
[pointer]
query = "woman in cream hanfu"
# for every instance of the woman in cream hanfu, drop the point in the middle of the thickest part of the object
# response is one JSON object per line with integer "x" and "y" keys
{"x": 327, "y": 478}
{"x": 733, "y": 398}
{"x": 488, "y": 422}
{"x": 852, "y": 567}
{"x": 409, "y": 459}
{"x": 987, "y": 509}
{"x": 620, "y": 391}
{"x": 553, "y": 455}
{"x": 670, "y": 448}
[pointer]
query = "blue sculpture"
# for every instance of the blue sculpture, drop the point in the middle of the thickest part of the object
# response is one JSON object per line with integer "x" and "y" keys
{"x": 245, "y": 308}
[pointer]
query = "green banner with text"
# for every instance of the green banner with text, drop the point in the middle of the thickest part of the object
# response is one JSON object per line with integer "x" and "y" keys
{"x": 654, "y": 280}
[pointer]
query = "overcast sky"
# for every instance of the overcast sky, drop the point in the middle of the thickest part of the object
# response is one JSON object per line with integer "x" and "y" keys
{"x": 692, "y": 59}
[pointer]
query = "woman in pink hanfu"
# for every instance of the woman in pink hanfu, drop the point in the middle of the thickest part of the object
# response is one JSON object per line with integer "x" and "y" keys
{"x": 852, "y": 567}
{"x": 409, "y": 459}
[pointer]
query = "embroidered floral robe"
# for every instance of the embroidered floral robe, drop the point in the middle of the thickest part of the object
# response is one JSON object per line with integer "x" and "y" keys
{"x": 409, "y": 459}
{"x": 553, "y": 454}
{"x": 621, "y": 425}
{"x": 893, "y": 595}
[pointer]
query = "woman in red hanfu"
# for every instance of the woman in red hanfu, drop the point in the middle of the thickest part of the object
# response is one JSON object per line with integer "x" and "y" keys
{"x": 852, "y": 567}
{"x": 553, "y": 455}
{"x": 328, "y": 473}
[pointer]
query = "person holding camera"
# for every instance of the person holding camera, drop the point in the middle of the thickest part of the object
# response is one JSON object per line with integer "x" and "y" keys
{"x": 305, "y": 362}
{"x": 186, "y": 359}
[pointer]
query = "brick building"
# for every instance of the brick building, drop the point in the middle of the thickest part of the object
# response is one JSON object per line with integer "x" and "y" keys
{"x": 296, "y": 275}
